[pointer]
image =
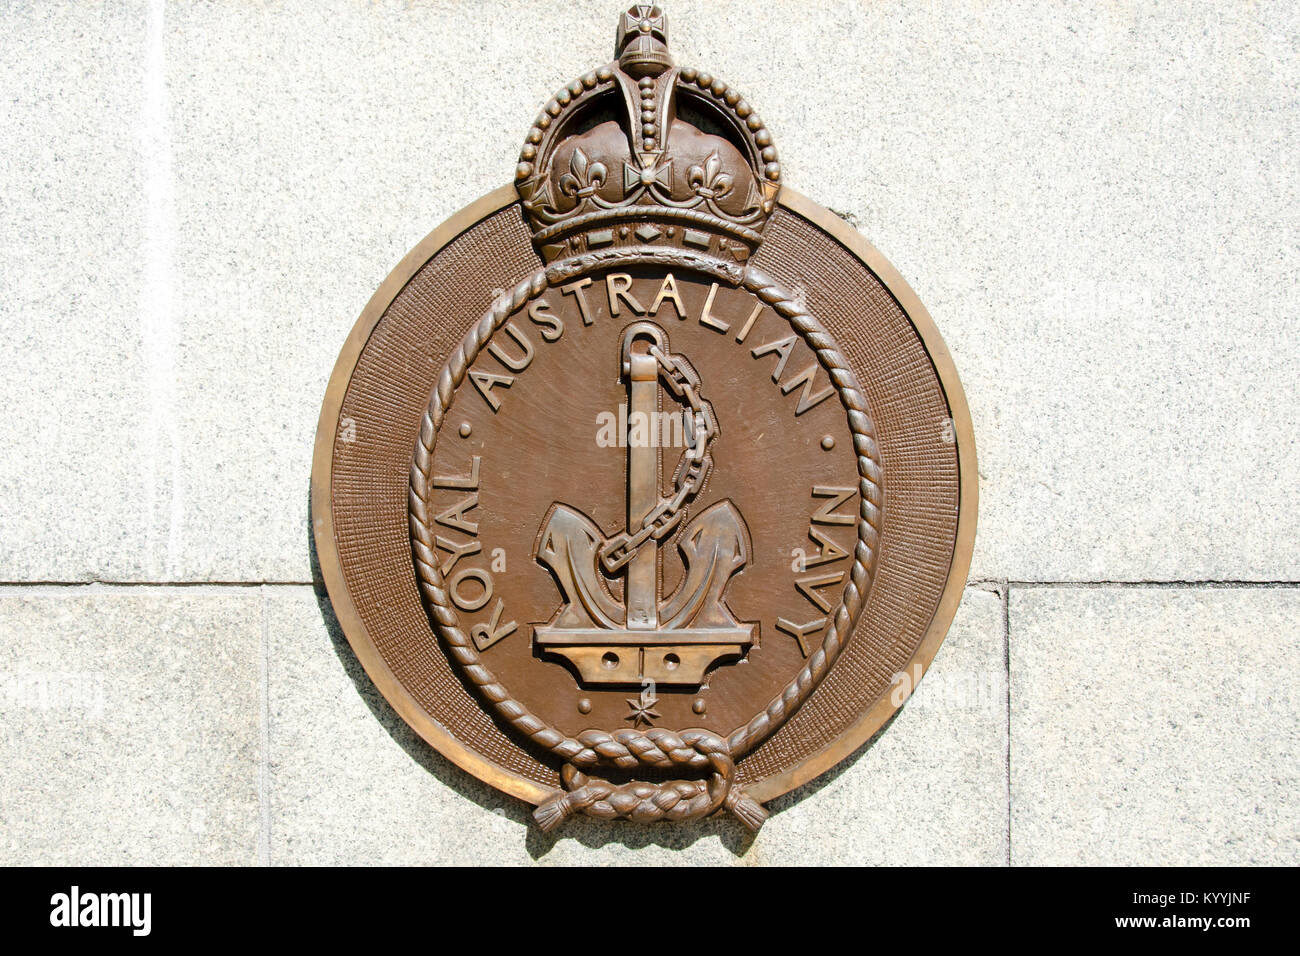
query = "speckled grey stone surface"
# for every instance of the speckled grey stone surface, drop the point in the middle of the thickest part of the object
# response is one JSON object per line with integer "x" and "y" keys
{"x": 130, "y": 724}
{"x": 1096, "y": 204}
{"x": 351, "y": 783}
{"x": 85, "y": 458}
{"x": 1092, "y": 202}
{"x": 1155, "y": 726}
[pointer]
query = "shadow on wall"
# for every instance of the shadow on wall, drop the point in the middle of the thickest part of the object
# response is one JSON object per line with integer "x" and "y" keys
{"x": 586, "y": 830}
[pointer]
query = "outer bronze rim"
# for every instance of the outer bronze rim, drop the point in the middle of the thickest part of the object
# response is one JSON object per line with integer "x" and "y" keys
{"x": 433, "y": 732}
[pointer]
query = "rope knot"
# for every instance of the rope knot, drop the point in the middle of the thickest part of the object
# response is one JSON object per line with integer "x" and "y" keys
{"x": 641, "y": 800}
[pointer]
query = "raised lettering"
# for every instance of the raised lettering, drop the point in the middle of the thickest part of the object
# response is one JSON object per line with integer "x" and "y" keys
{"x": 552, "y": 326}
{"x": 830, "y": 550}
{"x": 471, "y": 482}
{"x": 800, "y": 631}
{"x": 509, "y": 361}
{"x": 808, "y": 588}
{"x": 454, "y": 517}
{"x": 486, "y": 381}
{"x": 668, "y": 291}
{"x": 826, "y": 513}
{"x": 618, "y": 285}
{"x": 806, "y": 400}
{"x": 706, "y": 319}
{"x": 782, "y": 347}
{"x": 575, "y": 289}
{"x": 484, "y": 580}
{"x": 457, "y": 550}
{"x": 749, "y": 323}
{"x": 485, "y": 635}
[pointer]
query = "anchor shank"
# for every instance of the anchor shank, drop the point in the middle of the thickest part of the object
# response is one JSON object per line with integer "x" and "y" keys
{"x": 643, "y": 492}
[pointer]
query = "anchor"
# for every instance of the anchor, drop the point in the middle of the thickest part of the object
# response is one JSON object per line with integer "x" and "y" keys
{"x": 646, "y": 636}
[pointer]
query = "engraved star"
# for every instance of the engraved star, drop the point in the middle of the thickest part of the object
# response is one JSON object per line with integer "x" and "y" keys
{"x": 643, "y": 711}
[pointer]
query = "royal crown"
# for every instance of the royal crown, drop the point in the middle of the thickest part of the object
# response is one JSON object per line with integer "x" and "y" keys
{"x": 642, "y": 153}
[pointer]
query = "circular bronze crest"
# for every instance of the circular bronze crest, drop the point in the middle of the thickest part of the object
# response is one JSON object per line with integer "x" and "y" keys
{"x": 638, "y": 483}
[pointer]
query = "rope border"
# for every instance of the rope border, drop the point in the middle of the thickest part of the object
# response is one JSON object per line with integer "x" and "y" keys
{"x": 659, "y": 748}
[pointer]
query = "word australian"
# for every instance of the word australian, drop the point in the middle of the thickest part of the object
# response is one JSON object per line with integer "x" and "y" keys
{"x": 620, "y": 296}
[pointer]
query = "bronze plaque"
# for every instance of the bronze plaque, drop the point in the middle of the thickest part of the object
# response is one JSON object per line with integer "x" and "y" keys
{"x": 639, "y": 482}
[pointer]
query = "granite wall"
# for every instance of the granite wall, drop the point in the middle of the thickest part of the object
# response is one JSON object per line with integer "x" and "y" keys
{"x": 1097, "y": 202}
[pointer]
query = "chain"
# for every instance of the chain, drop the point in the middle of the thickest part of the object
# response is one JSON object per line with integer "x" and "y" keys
{"x": 681, "y": 379}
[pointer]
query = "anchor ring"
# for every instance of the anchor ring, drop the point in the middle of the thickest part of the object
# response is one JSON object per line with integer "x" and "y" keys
{"x": 640, "y": 330}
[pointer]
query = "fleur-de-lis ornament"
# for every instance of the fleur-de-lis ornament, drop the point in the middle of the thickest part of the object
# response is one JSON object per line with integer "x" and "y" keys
{"x": 584, "y": 177}
{"x": 709, "y": 181}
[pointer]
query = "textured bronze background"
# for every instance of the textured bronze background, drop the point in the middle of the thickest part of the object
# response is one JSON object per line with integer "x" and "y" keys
{"x": 381, "y": 388}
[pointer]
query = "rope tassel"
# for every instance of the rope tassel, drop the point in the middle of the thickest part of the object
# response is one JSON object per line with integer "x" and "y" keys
{"x": 746, "y": 809}
{"x": 553, "y": 812}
